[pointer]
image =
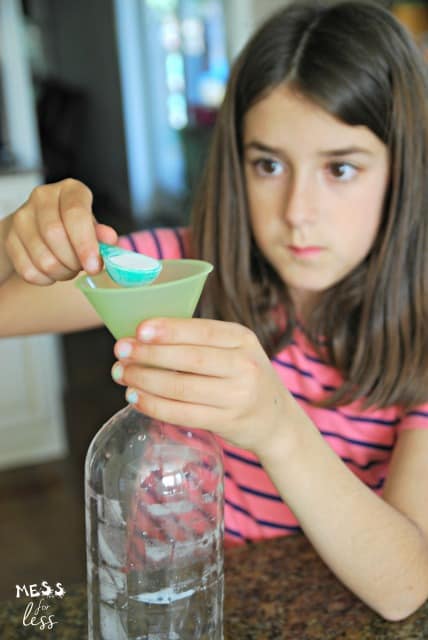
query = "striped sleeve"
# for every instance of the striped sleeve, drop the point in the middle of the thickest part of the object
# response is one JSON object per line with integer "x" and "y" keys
{"x": 416, "y": 418}
{"x": 161, "y": 243}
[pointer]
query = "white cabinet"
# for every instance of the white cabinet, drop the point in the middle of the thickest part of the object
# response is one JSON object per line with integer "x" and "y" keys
{"x": 31, "y": 416}
{"x": 15, "y": 187}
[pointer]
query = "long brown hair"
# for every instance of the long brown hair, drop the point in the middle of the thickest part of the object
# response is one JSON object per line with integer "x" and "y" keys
{"x": 355, "y": 61}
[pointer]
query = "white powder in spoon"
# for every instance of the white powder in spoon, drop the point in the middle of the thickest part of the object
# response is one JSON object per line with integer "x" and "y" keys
{"x": 133, "y": 261}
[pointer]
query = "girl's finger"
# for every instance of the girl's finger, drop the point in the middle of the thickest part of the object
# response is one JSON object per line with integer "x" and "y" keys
{"x": 184, "y": 387}
{"x": 105, "y": 233}
{"x": 55, "y": 237}
{"x": 207, "y": 361}
{"x": 22, "y": 264}
{"x": 38, "y": 253}
{"x": 75, "y": 205}
{"x": 196, "y": 331}
{"x": 182, "y": 414}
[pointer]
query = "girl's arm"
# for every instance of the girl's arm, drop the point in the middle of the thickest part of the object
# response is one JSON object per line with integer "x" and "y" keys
{"x": 27, "y": 309}
{"x": 215, "y": 375}
{"x": 6, "y": 267}
{"x": 43, "y": 246}
{"x": 377, "y": 547}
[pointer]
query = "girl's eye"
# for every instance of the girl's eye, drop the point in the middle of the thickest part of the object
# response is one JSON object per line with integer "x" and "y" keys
{"x": 342, "y": 171}
{"x": 267, "y": 167}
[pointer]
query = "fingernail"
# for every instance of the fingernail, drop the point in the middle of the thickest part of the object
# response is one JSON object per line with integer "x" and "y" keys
{"x": 117, "y": 372}
{"x": 131, "y": 396}
{"x": 92, "y": 264}
{"x": 124, "y": 349}
{"x": 147, "y": 332}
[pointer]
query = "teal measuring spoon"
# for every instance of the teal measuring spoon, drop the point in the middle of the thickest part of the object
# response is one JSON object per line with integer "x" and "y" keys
{"x": 128, "y": 268}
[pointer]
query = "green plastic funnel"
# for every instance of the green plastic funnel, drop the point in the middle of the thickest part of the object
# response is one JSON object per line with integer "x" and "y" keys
{"x": 175, "y": 294}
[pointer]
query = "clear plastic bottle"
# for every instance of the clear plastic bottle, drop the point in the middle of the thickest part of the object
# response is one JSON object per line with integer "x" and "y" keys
{"x": 154, "y": 529}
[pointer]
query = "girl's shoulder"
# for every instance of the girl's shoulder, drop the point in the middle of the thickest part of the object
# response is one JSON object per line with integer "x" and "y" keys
{"x": 306, "y": 367}
{"x": 162, "y": 243}
{"x": 415, "y": 418}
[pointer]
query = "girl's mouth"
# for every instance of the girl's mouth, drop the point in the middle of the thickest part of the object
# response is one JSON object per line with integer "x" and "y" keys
{"x": 304, "y": 252}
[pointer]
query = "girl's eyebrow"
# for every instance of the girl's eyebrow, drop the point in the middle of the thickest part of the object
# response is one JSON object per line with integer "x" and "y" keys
{"x": 259, "y": 146}
{"x": 331, "y": 153}
{"x": 346, "y": 151}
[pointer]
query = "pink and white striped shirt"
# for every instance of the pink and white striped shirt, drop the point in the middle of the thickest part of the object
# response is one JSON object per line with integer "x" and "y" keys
{"x": 363, "y": 439}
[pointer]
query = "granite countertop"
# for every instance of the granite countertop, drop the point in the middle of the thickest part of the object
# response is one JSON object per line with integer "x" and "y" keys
{"x": 275, "y": 590}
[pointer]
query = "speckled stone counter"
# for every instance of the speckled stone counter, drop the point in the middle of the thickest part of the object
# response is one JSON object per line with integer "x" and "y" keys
{"x": 275, "y": 590}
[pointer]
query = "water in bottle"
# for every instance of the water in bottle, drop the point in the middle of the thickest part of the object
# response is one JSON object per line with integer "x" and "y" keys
{"x": 154, "y": 522}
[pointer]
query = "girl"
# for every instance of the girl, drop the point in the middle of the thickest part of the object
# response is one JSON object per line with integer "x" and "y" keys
{"x": 311, "y": 361}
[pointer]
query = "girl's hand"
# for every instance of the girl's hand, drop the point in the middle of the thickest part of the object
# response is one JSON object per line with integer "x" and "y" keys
{"x": 204, "y": 374}
{"x": 54, "y": 234}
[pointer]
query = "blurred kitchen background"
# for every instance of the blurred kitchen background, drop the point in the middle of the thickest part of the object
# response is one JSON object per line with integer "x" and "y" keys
{"x": 123, "y": 95}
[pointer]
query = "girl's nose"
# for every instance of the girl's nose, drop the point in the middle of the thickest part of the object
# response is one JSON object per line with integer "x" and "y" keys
{"x": 300, "y": 206}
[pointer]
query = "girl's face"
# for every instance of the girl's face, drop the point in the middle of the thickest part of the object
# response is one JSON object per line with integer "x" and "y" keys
{"x": 315, "y": 188}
